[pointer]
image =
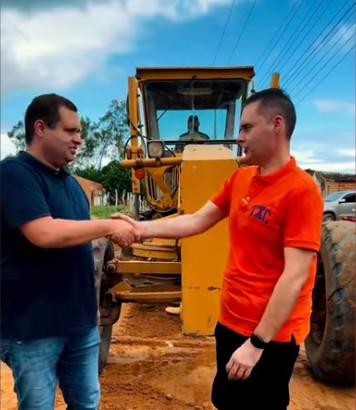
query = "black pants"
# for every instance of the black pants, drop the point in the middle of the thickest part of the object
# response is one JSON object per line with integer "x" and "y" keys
{"x": 266, "y": 388}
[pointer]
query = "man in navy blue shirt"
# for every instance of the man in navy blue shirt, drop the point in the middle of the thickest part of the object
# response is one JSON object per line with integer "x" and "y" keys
{"x": 48, "y": 306}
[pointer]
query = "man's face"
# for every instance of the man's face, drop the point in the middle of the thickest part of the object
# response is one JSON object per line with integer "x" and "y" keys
{"x": 193, "y": 124}
{"x": 256, "y": 137}
{"x": 61, "y": 143}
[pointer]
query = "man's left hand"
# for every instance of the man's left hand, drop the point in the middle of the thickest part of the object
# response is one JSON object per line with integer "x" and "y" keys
{"x": 242, "y": 361}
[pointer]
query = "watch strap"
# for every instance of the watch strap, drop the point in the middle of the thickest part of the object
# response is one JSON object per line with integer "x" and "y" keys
{"x": 258, "y": 342}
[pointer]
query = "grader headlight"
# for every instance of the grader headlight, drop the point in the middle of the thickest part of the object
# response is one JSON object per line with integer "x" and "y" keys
{"x": 155, "y": 149}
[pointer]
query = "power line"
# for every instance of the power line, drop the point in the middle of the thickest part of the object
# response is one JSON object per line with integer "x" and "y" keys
{"x": 283, "y": 31}
{"x": 320, "y": 60}
{"x": 323, "y": 78}
{"x": 224, "y": 30}
{"x": 310, "y": 50}
{"x": 269, "y": 70}
{"x": 289, "y": 52}
{"x": 242, "y": 31}
{"x": 313, "y": 51}
{"x": 310, "y": 28}
{"x": 275, "y": 34}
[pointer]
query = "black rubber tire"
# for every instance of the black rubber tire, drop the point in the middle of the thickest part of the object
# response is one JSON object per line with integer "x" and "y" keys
{"x": 330, "y": 345}
{"x": 104, "y": 251}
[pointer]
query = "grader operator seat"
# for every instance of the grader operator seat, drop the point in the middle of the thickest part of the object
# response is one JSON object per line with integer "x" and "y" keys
{"x": 193, "y": 133}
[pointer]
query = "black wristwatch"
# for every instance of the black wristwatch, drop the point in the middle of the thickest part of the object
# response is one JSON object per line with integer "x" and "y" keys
{"x": 258, "y": 342}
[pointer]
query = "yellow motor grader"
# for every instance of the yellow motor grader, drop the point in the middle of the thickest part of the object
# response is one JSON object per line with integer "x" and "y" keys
{"x": 183, "y": 123}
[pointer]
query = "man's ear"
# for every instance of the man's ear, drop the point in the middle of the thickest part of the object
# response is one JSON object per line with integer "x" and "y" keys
{"x": 278, "y": 122}
{"x": 39, "y": 127}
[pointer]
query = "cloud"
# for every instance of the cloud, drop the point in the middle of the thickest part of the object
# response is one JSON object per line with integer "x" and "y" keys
{"x": 59, "y": 44}
{"x": 7, "y": 147}
{"x": 48, "y": 4}
{"x": 334, "y": 106}
{"x": 318, "y": 156}
{"x": 347, "y": 152}
{"x": 339, "y": 40}
{"x": 38, "y": 4}
{"x": 38, "y": 51}
{"x": 306, "y": 156}
{"x": 308, "y": 161}
{"x": 347, "y": 167}
{"x": 342, "y": 36}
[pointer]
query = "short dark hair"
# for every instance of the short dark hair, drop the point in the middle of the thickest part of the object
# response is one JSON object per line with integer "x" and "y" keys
{"x": 274, "y": 101}
{"x": 194, "y": 120}
{"x": 46, "y": 108}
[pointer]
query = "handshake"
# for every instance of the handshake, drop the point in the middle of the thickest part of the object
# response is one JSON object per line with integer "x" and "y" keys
{"x": 127, "y": 230}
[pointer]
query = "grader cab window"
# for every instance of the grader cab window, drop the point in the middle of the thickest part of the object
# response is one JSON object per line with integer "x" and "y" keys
{"x": 192, "y": 110}
{"x": 189, "y": 111}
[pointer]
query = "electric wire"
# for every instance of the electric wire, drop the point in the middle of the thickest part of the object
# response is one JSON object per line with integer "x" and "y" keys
{"x": 287, "y": 56}
{"x": 242, "y": 31}
{"x": 310, "y": 50}
{"x": 283, "y": 31}
{"x": 323, "y": 78}
{"x": 275, "y": 34}
{"x": 289, "y": 52}
{"x": 223, "y": 32}
{"x": 341, "y": 40}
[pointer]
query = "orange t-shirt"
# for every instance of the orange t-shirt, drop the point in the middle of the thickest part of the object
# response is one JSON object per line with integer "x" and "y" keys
{"x": 266, "y": 214}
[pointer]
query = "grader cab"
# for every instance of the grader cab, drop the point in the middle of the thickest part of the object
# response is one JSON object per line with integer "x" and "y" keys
{"x": 183, "y": 123}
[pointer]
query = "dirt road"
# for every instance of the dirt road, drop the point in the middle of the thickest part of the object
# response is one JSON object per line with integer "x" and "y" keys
{"x": 152, "y": 366}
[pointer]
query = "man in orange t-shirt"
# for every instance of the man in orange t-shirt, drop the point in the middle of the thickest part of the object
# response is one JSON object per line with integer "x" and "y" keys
{"x": 275, "y": 214}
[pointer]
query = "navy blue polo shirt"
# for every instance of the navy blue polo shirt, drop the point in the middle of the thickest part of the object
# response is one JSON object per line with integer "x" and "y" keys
{"x": 44, "y": 292}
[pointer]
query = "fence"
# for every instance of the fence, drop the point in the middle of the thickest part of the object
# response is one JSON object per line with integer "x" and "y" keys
{"x": 128, "y": 200}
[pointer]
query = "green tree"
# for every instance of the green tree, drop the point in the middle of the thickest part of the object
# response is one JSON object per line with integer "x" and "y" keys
{"x": 112, "y": 176}
{"x": 17, "y": 136}
{"x": 86, "y": 153}
{"x": 90, "y": 172}
{"x": 115, "y": 178}
{"x": 111, "y": 132}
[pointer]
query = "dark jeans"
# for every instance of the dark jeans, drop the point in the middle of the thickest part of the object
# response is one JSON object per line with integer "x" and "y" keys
{"x": 38, "y": 364}
{"x": 266, "y": 388}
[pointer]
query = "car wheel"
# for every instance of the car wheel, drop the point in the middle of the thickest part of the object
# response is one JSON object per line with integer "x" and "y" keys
{"x": 328, "y": 217}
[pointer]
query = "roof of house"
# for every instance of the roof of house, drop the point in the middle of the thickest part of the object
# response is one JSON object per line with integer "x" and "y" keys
{"x": 333, "y": 176}
{"x": 89, "y": 183}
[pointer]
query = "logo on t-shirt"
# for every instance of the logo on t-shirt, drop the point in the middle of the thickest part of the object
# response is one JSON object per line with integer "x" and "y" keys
{"x": 261, "y": 213}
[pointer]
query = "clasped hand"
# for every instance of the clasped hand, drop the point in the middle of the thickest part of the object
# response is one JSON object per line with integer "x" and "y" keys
{"x": 126, "y": 230}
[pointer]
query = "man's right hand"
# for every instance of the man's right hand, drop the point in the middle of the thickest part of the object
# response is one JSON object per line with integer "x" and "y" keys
{"x": 179, "y": 226}
{"x": 125, "y": 218}
{"x": 125, "y": 232}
